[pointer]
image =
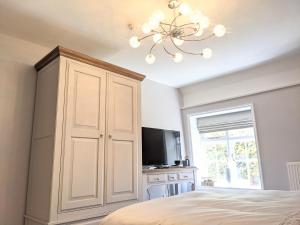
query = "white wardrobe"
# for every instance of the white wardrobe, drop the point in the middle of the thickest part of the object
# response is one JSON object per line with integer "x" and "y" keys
{"x": 86, "y": 153}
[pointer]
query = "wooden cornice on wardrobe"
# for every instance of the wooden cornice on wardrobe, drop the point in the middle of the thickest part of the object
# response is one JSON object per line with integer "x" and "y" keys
{"x": 61, "y": 51}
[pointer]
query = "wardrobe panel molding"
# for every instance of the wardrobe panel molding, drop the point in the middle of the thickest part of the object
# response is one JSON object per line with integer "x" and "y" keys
{"x": 122, "y": 142}
{"x": 82, "y": 176}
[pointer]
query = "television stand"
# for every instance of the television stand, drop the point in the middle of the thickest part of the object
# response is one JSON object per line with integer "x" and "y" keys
{"x": 169, "y": 181}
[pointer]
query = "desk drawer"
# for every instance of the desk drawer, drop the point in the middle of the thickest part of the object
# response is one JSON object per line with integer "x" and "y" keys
{"x": 172, "y": 176}
{"x": 156, "y": 178}
{"x": 186, "y": 176}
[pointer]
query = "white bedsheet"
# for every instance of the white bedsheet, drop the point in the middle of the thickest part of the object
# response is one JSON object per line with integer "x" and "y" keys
{"x": 213, "y": 207}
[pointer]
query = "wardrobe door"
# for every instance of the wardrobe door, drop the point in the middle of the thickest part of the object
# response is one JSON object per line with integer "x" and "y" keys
{"x": 83, "y": 136}
{"x": 122, "y": 146}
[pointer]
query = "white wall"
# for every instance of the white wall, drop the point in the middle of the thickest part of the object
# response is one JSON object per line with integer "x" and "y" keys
{"x": 278, "y": 73}
{"x": 17, "y": 90}
{"x": 161, "y": 107}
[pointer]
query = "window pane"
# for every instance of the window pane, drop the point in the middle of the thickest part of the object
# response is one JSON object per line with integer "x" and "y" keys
{"x": 215, "y": 159}
{"x": 222, "y": 171}
{"x": 244, "y": 132}
{"x": 212, "y": 170}
{"x": 245, "y": 169}
{"x": 214, "y": 135}
{"x": 251, "y": 147}
{"x": 211, "y": 152}
{"x": 254, "y": 173}
{"x": 242, "y": 171}
{"x": 222, "y": 152}
{"x": 240, "y": 152}
{"x": 215, "y": 150}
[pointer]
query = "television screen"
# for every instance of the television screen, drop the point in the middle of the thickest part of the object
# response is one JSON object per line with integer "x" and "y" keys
{"x": 160, "y": 147}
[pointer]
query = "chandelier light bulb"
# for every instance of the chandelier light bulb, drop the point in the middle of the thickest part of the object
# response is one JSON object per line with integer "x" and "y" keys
{"x": 196, "y": 16}
{"x": 178, "y": 57}
{"x": 150, "y": 58}
{"x": 153, "y": 23}
{"x": 178, "y": 41}
{"x": 134, "y": 42}
{"x": 219, "y": 30}
{"x": 204, "y": 22}
{"x": 207, "y": 53}
{"x": 157, "y": 38}
{"x": 158, "y": 15}
{"x": 146, "y": 28}
{"x": 184, "y": 9}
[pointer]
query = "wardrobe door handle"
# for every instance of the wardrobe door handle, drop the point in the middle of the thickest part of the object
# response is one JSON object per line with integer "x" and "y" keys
{"x": 101, "y": 135}
{"x": 109, "y": 136}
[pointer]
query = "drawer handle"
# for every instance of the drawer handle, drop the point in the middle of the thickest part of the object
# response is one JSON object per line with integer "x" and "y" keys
{"x": 157, "y": 179}
{"x": 186, "y": 177}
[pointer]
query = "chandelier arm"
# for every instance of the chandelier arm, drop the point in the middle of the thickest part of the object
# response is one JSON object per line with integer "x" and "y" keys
{"x": 161, "y": 25}
{"x": 153, "y": 33}
{"x": 156, "y": 31}
{"x": 168, "y": 24}
{"x": 174, "y": 15}
{"x": 174, "y": 20}
{"x": 191, "y": 34}
{"x": 186, "y": 52}
{"x": 190, "y": 28}
{"x": 186, "y": 24}
{"x": 188, "y": 35}
{"x": 166, "y": 32}
{"x": 195, "y": 30}
{"x": 168, "y": 52}
{"x": 149, "y": 35}
{"x": 160, "y": 32}
{"x": 152, "y": 47}
{"x": 202, "y": 39}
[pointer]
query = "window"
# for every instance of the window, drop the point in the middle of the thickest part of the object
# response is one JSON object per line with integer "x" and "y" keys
{"x": 224, "y": 148}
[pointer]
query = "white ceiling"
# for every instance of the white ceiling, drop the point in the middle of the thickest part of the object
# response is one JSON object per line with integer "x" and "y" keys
{"x": 260, "y": 30}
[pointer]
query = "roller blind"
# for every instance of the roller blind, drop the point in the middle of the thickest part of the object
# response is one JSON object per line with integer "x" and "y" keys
{"x": 227, "y": 121}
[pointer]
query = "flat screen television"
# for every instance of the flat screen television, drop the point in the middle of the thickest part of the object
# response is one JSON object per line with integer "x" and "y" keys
{"x": 160, "y": 147}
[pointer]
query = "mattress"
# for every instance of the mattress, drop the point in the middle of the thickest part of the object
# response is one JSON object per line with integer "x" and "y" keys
{"x": 213, "y": 207}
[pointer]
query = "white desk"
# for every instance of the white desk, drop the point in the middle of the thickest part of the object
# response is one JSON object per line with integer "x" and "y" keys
{"x": 167, "y": 178}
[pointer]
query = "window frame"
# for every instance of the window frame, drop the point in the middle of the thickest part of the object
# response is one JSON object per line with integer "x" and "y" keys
{"x": 189, "y": 145}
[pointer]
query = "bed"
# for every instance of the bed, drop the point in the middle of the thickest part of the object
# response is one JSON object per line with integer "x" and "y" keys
{"x": 213, "y": 207}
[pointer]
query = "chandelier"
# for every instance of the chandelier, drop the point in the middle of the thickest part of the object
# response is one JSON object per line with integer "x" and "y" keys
{"x": 176, "y": 32}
